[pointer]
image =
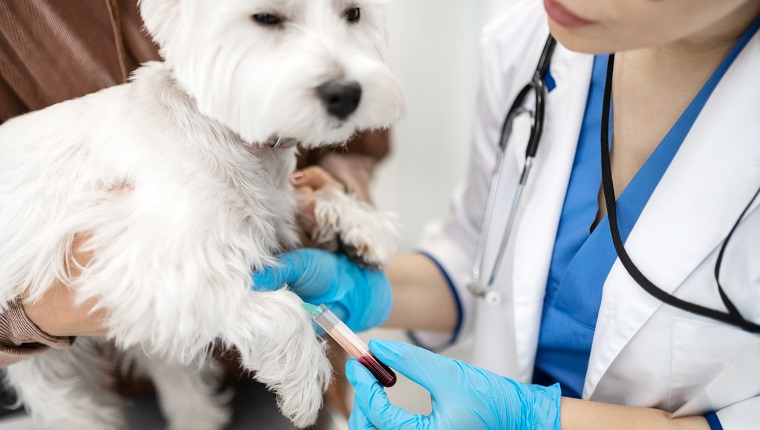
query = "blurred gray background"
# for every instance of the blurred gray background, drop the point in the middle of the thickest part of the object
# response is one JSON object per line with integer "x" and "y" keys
{"x": 435, "y": 50}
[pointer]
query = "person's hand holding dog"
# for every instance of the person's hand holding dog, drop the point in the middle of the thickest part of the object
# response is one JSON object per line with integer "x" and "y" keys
{"x": 308, "y": 181}
{"x": 57, "y": 313}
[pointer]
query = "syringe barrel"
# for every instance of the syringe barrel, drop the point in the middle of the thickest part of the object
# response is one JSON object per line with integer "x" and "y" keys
{"x": 353, "y": 345}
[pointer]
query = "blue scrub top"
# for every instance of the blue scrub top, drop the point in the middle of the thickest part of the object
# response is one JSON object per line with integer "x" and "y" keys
{"x": 569, "y": 315}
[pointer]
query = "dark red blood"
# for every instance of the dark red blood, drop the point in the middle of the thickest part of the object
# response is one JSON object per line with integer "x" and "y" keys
{"x": 383, "y": 373}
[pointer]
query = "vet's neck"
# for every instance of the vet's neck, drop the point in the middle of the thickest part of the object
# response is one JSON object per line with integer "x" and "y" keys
{"x": 653, "y": 86}
{"x": 694, "y": 58}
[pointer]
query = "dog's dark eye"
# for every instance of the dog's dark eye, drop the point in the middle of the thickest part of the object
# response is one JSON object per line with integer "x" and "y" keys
{"x": 354, "y": 15}
{"x": 266, "y": 19}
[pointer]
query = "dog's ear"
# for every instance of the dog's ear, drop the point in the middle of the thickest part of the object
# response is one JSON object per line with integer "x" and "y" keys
{"x": 160, "y": 17}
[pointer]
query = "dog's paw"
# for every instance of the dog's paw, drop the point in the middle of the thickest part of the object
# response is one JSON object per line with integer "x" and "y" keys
{"x": 276, "y": 341}
{"x": 302, "y": 403}
{"x": 369, "y": 237}
{"x": 300, "y": 390}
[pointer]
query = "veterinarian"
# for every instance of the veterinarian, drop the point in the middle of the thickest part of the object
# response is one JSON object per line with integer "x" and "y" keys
{"x": 566, "y": 335}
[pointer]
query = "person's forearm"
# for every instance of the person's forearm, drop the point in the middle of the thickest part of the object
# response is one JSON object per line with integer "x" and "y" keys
{"x": 586, "y": 415}
{"x": 422, "y": 299}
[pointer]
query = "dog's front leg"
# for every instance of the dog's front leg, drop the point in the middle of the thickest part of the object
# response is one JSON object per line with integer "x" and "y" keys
{"x": 277, "y": 341}
{"x": 186, "y": 393}
{"x": 68, "y": 389}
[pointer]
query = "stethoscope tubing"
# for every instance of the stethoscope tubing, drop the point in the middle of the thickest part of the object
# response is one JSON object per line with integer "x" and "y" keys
{"x": 538, "y": 87}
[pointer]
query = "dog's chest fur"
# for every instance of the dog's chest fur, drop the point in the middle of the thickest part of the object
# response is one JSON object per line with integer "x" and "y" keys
{"x": 247, "y": 184}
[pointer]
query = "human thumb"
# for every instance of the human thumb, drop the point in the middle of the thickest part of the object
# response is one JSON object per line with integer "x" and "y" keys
{"x": 429, "y": 370}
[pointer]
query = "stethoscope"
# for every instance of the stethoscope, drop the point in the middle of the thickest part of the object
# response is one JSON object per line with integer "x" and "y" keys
{"x": 537, "y": 87}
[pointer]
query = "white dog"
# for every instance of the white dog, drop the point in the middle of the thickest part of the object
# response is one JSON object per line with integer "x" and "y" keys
{"x": 193, "y": 141}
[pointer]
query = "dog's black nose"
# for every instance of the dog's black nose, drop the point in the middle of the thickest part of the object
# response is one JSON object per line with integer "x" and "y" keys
{"x": 341, "y": 98}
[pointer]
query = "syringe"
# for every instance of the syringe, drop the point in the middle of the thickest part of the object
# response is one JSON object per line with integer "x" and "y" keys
{"x": 351, "y": 343}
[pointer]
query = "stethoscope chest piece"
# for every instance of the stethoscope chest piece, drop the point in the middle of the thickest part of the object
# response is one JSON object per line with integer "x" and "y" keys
{"x": 489, "y": 295}
{"x": 493, "y": 298}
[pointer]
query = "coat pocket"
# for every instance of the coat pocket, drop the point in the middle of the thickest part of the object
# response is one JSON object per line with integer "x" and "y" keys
{"x": 713, "y": 366}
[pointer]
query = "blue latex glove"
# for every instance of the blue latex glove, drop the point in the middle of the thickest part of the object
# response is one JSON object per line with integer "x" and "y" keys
{"x": 463, "y": 396}
{"x": 358, "y": 296}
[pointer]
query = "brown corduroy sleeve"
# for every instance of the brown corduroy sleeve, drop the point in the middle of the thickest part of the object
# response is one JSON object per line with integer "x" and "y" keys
{"x": 20, "y": 338}
{"x": 51, "y": 50}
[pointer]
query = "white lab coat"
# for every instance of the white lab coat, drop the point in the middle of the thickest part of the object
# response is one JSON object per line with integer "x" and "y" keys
{"x": 644, "y": 353}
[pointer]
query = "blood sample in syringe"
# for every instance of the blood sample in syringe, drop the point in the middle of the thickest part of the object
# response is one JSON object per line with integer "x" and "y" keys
{"x": 351, "y": 343}
{"x": 383, "y": 373}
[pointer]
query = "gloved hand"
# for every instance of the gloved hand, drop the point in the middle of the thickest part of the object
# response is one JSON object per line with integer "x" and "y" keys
{"x": 358, "y": 296}
{"x": 463, "y": 396}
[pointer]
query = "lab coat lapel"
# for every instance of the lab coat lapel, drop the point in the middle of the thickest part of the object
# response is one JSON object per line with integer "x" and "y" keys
{"x": 710, "y": 181}
{"x": 541, "y": 208}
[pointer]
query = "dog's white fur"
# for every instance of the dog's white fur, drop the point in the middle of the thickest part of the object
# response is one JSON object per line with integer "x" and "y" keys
{"x": 169, "y": 176}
